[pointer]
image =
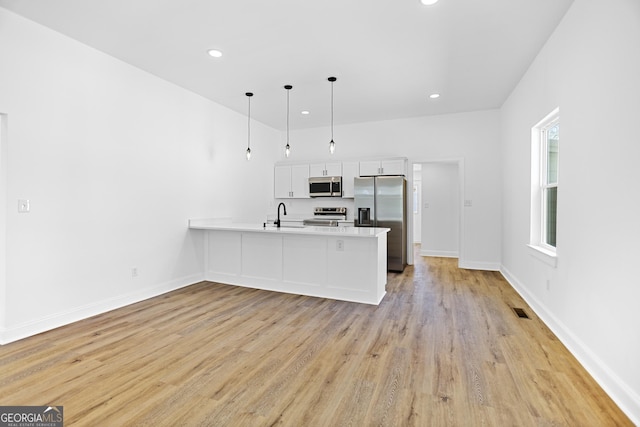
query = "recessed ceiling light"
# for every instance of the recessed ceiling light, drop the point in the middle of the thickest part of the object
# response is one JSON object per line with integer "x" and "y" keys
{"x": 215, "y": 53}
{"x": 428, "y": 2}
{"x": 305, "y": 112}
{"x": 434, "y": 95}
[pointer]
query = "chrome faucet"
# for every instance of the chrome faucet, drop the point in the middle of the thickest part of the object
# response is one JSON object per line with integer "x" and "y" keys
{"x": 277, "y": 223}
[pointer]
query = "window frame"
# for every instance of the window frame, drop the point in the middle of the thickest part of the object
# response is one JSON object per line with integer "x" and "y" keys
{"x": 545, "y": 186}
{"x": 540, "y": 187}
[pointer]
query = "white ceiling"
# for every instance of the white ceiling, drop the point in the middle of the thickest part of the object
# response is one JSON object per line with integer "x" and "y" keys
{"x": 388, "y": 55}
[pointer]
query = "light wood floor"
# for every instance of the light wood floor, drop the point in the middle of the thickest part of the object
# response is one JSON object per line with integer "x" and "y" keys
{"x": 444, "y": 348}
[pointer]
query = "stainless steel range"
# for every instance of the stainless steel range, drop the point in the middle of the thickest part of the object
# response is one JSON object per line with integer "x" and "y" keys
{"x": 327, "y": 217}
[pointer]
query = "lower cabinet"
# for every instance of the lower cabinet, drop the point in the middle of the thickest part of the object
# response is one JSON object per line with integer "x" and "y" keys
{"x": 327, "y": 266}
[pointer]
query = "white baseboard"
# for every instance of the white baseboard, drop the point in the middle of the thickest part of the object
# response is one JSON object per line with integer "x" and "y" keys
{"x": 439, "y": 254}
{"x": 626, "y": 398}
{"x": 48, "y": 323}
{"x": 479, "y": 265}
{"x": 469, "y": 265}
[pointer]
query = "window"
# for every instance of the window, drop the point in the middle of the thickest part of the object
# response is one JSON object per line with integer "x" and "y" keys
{"x": 549, "y": 184}
{"x": 545, "y": 139}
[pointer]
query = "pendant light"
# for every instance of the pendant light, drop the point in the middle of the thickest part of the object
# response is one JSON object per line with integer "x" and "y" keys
{"x": 332, "y": 145}
{"x": 287, "y": 149}
{"x": 249, "y": 95}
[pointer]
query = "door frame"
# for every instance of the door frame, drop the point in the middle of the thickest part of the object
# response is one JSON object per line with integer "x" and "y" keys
{"x": 4, "y": 149}
{"x": 459, "y": 161}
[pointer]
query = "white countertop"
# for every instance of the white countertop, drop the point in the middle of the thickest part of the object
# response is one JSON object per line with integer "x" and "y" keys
{"x": 209, "y": 224}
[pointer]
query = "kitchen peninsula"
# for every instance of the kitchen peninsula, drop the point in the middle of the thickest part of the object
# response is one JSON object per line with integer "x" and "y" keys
{"x": 343, "y": 263}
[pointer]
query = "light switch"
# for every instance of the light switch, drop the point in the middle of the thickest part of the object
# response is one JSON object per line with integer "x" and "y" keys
{"x": 23, "y": 206}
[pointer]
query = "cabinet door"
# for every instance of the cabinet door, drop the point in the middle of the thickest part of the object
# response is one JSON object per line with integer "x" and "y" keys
{"x": 392, "y": 167}
{"x": 333, "y": 169}
{"x": 282, "y": 182}
{"x": 370, "y": 168}
{"x": 349, "y": 172}
{"x": 300, "y": 181}
{"x": 316, "y": 169}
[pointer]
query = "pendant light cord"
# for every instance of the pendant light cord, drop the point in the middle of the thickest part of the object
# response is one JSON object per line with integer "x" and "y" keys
{"x": 249, "y": 125}
{"x": 332, "y": 110}
{"x": 287, "y": 116}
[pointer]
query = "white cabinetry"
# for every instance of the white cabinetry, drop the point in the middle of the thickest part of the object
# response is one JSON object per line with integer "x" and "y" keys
{"x": 325, "y": 169}
{"x": 291, "y": 182}
{"x": 383, "y": 167}
{"x": 348, "y": 266}
{"x": 349, "y": 172}
{"x": 282, "y": 182}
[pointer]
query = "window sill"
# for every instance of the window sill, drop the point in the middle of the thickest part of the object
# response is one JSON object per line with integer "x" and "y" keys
{"x": 546, "y": 256}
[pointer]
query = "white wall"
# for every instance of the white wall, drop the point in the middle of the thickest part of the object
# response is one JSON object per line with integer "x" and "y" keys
{"x": 589, "y": 68}
{"x": 472, "y": 136}
{"x": 440, "y": 210}
{"x": 114, "y": 162}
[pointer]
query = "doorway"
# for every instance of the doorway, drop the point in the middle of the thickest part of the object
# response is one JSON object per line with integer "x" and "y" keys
{"x": 438, "y": 208}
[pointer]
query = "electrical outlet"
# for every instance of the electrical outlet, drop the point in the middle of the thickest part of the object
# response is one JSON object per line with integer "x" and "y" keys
{"x": 548, "y": 284}
{"x": 23, "y": 206}
{"x": 134, "y": 272}
{"x": 340, "y": 245}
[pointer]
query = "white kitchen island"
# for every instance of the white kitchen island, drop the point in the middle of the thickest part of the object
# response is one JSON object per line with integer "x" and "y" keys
{"x": 343, "y": 263}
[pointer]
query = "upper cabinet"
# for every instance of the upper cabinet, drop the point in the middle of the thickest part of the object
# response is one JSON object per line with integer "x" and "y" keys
{"x": 325, "y": 169}
{"x": 383, "y": 167}
{"x": 291, "y": 181}
{"x": 349, "y": 172}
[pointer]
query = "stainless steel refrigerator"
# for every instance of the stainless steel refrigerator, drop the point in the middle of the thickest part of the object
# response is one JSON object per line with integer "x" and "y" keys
{"x": 380, "y": 201}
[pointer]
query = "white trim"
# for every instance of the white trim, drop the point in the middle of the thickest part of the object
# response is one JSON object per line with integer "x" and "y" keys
{"x": 621, "y": 393}
{"x": 480, "y": 265}
{"x": 543, "y": 254}
{"x": 47, "y": 323}
{"x": 538, "y": 212}
{"x": 4, "y": 149}
{"x": 410, "y": 216}
{"x": 439, "y": 254}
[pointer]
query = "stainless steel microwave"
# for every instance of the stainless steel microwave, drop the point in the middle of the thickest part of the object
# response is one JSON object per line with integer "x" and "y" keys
{"x": 325, "y": 186}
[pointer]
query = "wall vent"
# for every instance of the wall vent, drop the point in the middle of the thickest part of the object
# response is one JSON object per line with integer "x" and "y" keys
{"x": 520, "y": 313}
